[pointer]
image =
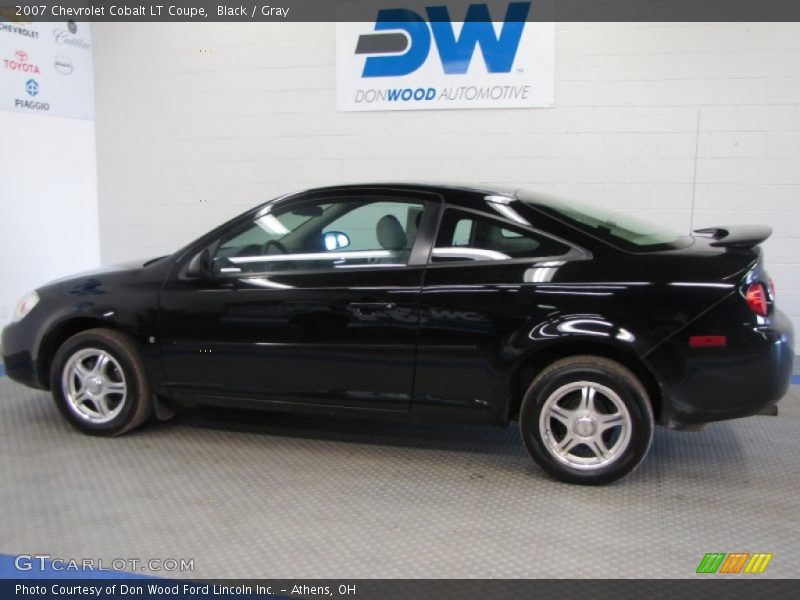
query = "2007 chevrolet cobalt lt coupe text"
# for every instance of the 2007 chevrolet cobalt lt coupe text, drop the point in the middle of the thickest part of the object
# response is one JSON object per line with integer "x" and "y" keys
{"x": 426, "y": 302}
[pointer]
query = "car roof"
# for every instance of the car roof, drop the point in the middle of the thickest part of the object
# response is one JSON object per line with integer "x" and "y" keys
{"x": 437, "y": 187}
{"x": 461, "y": 193}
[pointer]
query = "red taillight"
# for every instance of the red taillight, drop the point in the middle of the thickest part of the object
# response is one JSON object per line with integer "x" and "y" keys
{"x": 756, "y": 296}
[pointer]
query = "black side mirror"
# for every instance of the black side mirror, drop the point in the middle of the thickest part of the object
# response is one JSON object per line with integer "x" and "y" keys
{"x": 200, "y": 265}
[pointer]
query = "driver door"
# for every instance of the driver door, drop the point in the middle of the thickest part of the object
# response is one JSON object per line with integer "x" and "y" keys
{"x": 311, "y": 302}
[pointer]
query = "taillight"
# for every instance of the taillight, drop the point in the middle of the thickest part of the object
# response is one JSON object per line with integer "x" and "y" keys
{"x": 756, "y": 296}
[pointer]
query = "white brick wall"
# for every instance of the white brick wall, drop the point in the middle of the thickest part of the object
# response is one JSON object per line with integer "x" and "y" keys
{"x": 196, "y": 123}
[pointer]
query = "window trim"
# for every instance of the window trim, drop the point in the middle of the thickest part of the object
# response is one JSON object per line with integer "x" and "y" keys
{"x": 431, "y": 209}
{"x": 574, "y": 252}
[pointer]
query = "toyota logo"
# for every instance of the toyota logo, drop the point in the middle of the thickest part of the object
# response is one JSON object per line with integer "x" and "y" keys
{"x": 21, "y": 55}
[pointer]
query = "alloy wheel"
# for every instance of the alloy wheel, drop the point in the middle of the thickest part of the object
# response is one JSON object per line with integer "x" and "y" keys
{"x": 94, "y": 386}
{"x": 585, "y": 425}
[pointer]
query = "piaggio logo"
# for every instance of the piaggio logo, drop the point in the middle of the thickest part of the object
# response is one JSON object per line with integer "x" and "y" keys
{"x": 734, "y": 563}
{"x": 32, "y": 88}
{"x": 410, "y": 46}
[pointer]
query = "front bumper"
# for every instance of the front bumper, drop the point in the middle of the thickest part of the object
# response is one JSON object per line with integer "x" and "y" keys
{"x": 18, "y": 355}
{"x": 746, "y": 377}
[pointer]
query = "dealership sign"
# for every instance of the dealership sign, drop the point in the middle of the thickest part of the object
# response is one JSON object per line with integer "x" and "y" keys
{"x": 46, "y": 69}
{"x": 420, "y": 58}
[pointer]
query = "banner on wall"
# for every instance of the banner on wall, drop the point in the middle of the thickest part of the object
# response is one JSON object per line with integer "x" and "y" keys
{"x": 417, "y": 56}
{"x": 46, "y": 69}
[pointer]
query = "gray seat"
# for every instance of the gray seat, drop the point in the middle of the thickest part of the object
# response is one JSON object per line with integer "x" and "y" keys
{"x": 391, "y": 235}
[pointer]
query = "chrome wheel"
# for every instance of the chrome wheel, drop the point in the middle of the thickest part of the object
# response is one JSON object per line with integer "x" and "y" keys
{"x": 93, "y": 384}
{"x": 585, "y": 425}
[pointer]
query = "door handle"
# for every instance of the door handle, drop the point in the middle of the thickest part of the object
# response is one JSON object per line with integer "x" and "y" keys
{"x": 367, "y": 308}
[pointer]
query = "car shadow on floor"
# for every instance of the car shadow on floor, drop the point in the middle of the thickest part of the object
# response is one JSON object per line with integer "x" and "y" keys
{"x": 670, "y": 449}
{"x": 721, "y": 450}
{"x": 356, "y": 430}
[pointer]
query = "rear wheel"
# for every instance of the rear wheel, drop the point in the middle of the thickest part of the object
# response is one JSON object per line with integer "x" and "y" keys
{"x": 99, "y": 383}
{"x": 587, "y": 420}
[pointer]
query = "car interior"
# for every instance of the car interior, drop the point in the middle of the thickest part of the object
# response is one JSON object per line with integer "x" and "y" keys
{"x": 339, "y": 235}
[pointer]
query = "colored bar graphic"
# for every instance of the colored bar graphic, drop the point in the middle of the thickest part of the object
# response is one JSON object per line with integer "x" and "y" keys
{"x": 758, "y": 563}
{"x": 711, "y": 562}
{"x": 734, "y": 562}
{"x": 716, "y": 562}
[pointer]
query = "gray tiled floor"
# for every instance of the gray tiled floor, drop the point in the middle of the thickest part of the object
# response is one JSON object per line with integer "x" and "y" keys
{"x": 263, "y": 495}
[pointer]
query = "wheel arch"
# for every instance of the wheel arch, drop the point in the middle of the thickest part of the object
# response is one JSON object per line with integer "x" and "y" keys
{"x": 538, "y": 360}
{"x": 59, "y": 334}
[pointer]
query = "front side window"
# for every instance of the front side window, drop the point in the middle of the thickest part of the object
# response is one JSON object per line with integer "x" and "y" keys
{"x": 346, "y": 233}
{"x": 466, "y": 236}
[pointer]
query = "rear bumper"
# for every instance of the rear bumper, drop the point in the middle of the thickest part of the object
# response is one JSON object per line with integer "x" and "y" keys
{"x": 746, "y": 377}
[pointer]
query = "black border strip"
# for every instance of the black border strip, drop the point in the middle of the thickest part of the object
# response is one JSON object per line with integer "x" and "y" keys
{"x": 745, "y": 587}
{"x": 23, "y": 11}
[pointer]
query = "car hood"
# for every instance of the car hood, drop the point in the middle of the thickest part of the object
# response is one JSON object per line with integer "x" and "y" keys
{"x": 130, "y": 266}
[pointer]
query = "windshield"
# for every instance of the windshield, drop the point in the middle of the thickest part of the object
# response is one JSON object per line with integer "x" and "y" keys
{"x": 620, "y": 230}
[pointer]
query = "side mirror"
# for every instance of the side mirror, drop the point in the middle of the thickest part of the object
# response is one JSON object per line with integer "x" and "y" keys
{"x": 335, "y": 240}
{"x": 200, "y": 265}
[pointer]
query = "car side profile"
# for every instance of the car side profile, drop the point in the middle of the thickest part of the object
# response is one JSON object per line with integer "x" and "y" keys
{"x": 428, "y": 302}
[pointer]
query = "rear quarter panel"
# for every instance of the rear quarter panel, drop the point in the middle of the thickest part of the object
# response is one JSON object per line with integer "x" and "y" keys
{"x": 481, "y": 324}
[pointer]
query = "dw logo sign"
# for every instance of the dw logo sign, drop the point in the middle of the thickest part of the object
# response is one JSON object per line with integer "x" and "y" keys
{"x": 421, "y": 58}
{"x": 455, "y": 53}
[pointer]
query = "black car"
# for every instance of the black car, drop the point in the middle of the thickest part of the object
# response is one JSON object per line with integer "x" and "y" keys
{"x": 425, "y": 302}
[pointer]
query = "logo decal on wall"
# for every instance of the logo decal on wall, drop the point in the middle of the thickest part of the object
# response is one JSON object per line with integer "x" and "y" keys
{"x": 20, "y": 63}
{"x": 61, "y": 86}
{"x": 455, "y": 52}
{"x": 24, "y": 31}
{"x": 31, "y": 87}
{"x": 63, "y": 65}
{"x": 67, "y": 37}
{"x": 425, "y": 58}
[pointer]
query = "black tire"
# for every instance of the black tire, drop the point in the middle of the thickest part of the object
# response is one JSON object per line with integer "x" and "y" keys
{"x": 134, "y": 408}
{"x": 555, "y": 382}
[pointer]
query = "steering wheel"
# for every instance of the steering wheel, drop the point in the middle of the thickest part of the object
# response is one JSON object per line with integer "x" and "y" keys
{"x": 270, "y": 243}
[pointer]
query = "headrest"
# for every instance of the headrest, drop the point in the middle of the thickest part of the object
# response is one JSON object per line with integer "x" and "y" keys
{"x": 390, "y": 233}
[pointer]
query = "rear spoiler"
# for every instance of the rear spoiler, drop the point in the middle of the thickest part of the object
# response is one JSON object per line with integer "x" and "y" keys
{"x": 737, "y": 236}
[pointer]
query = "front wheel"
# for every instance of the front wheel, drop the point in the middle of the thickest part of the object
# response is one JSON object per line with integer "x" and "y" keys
{"x": 99, "y": 383}
{"x": 587, "y": 420}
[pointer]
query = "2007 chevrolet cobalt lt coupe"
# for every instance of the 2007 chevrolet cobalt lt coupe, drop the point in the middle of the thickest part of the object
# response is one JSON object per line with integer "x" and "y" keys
{"x": 426, "y": 302}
